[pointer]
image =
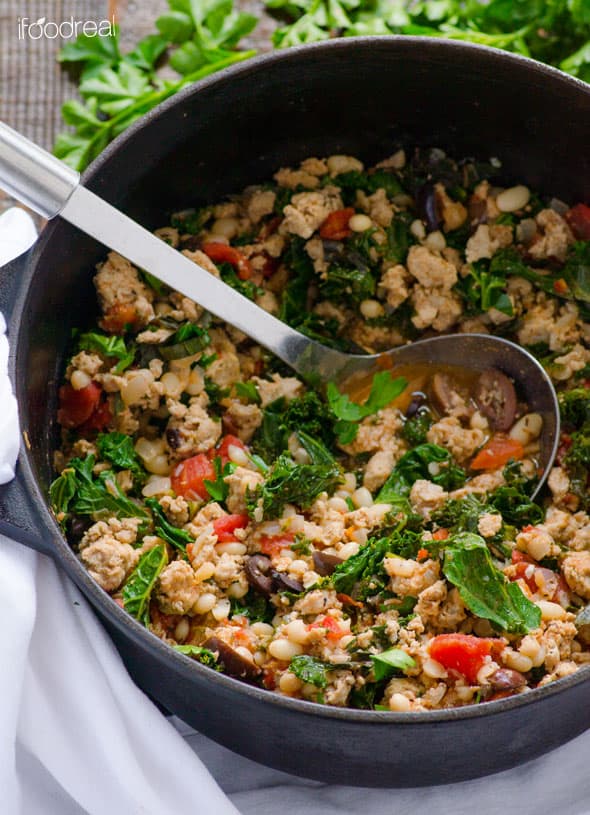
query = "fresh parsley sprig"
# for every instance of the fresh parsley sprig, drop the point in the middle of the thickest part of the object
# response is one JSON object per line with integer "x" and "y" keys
{"x": 117, "y": 89}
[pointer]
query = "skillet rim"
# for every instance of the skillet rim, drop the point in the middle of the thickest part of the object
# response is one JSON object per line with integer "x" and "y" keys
{"x": 182, "y": 664}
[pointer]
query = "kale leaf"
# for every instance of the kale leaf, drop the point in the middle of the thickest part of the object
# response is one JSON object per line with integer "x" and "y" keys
{"x": 362, "y": 575}
{"x": 428, "y": 461}
{"x": 76, "y": 490}
{"x": 384, "y": 389}
{"x": 484, "y": 589}
{"x": 389, "y": 662}
{"x": 109, "y": 346}
{"x": 290, "y": 483}
{"x": 178, "y": 538}
{"x": 311, "y": 670}
{"x": 202, "y": 655}
{"x": 140, "y": 583}
{"x": 118, "y": 449}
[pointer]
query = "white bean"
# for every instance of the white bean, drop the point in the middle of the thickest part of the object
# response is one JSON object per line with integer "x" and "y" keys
{"x": 289, "y": 683}
{"x": 518, "y": 662}
{"x": 297, "y": 632}
{"x": 136, "y": 386}
{"x": 237, "y": 455}
{"x": 284, "y": 649}
{"x": 435, "y": 240}
{"x": 399, "y": 703}
{"x": 551, "y": 611}
{"x": 231, "y": 548}
{"x": 226, "y": 227}
{"x": 527, "y": 428}
{"x": 205, "y": 603}
{"x": 79, "y": 380}
{"x": 418, "y": 229}
{"x": 361, "y": 497}
{"x": 172, "y": 385}
{"x": 221, "y": 610}
{"x": 156, "y": 485}
{"x": 370, "y": 309}
{"x": 513, "y": 198}
{"x": 360, "y": 223}
{"x": 159, "y": 465}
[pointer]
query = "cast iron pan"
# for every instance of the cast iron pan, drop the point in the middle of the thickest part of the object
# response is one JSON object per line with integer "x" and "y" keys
{"x": 358, "y": 96}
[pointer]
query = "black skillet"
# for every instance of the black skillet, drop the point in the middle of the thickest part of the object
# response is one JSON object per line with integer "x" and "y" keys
{"x": 362, "y": 97}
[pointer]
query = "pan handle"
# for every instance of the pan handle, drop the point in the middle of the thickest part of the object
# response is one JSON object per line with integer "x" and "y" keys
{"x": 34, "y": 176}
{"x": 17, "y": 518}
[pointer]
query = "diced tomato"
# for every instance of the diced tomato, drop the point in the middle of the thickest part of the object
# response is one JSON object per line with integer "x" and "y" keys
{"x": 463, "y": 653}
{"x": 222, "y": 253}
{"x": 525, "y": 571}
{"x": 273, "y": 545}
{"x": 118, "y": 317}
{"x": 347, "y": 600}
{"x": 423, "y": 554}
{"x": 578, "y": 218}
{"x": 222, "y": 449}
{"x": 541, "y": 580}
{"x": 520, "y": 557}
{"x": 335, "y": 227}
{"x": 440, "y": 535}
{"x": 188, "y": 478}
{"x": 77, "y": 406}
{"x": 268, "y": 679}
{"x": 225, "y": 527}
{"x": 333, "y": 630}
{"x": 99, "y": 418}
{"x": 560, "y": 286}
{"x": 497, "y": 452}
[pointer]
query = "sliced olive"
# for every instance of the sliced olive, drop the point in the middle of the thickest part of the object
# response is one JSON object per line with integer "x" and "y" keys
{"x": 257, "y": 568}
{"x": 282, "y": 582}
{"x": 449, "y": 396}
{"x": 506, "y": 679}
{"x": 173, "y": 438}
{"x": 325, "y": 564}
{"x": 496, "y": 398}
{"x": 79, "y": 524}
{"x": 428, "y": 207}
{"x": 418, "y": 399}
{"x": 234, "y": 663}
{"x": 477, "y": 209}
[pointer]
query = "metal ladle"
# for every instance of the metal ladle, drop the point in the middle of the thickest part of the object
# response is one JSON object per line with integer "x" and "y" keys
{"x": 48, "y": 186}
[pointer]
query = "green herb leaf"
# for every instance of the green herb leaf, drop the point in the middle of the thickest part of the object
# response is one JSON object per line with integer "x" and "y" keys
{"x": 484, "y": 589}
{"x": 290, "y": 483}
{"x": 389, "y": 662}
{"x": 178, "y": 538}
{"x": 218, "y": 489}
{"x": 311, "y": 670}
{"x": 202, "y": 655}
{"x": 140, "y": 583}
{"x": 118, "y": 449}
{"x": 110, "y": 346}
{"x": 248, "y": 392}
{"x": 384, "y": 389}
{"x": 78, "y": 491}
{"x": 427, "y": 461}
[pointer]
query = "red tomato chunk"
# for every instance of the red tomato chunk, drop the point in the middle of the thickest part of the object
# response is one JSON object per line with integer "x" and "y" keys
{"x": 463, "y": 653}
{"x": 225, "y": 527}
{"x": 188, "y": 478}
{"x": 77, "y": 406}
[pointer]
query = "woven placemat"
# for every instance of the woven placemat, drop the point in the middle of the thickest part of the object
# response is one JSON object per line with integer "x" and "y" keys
{"x": 33, "y": 85}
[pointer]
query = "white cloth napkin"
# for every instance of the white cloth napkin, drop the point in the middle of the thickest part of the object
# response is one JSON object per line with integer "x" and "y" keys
{"x": 78, "y": 738}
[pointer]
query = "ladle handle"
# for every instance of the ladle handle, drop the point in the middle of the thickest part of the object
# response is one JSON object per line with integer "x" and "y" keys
{"x": 32, "y": 175}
